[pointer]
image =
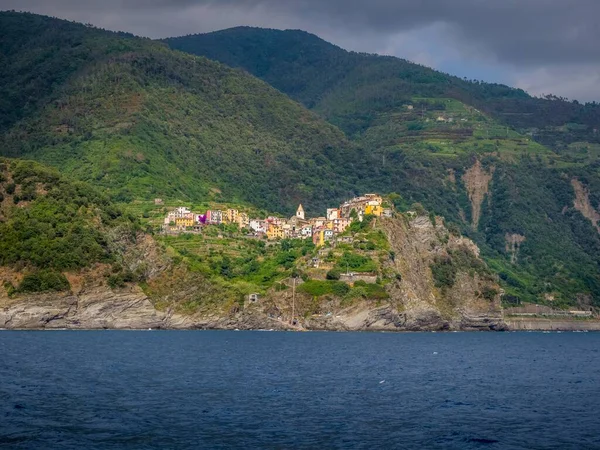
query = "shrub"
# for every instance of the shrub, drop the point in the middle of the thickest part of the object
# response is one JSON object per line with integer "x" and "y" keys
{"x": 10, "y": 289}
{"x": 340, "y": 289}
{"x": 376, "y": 291}
{"x": 333, "y": 274}
{"x": 444, "y": 272}
{"x": 43, "y": 281}
{"x": 489, "y": 293}
{"x": 315, "y": 288}
{"x": 119, "y": 279}
{"x": 419, "y": 209}
{"x": 356, "y": 262}
{"x": 454, "y": 229}
{"x": 318, "y": 288}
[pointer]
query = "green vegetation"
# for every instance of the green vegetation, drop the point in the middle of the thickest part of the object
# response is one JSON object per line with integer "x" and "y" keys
{"x": 356, "y": 263}
{"x": 445, "y": 267}
{"x": 53, "y": 223}
{"x": 333, "y": 274}
{"x": 246, "y": 265}
{"x": 317, "y": 288}
{"x": 358, "y": 91}
{"x": 140, "y": 121}
{"x": 422, "y": 129}
{"x": 43, "y": 281}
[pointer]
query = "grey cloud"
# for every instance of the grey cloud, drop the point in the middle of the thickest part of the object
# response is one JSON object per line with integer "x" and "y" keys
{"x": 518, "y": 31}
{"x": 526, "y": 37}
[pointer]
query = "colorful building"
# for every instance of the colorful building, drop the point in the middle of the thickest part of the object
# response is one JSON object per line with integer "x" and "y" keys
{"x": 183, "y": 222}
{"x": 275, "y": 232}
{"x": 340, "y": 225}
{"x": 232, "y": 215}
{"x": 243, "y": 220}
{"x": 318, "y": 237}
{"x": 333, "y": 213}
{"x": 320, "y": 229}
{"x": 374, "y": 209}
{"x": 214, "y": 216}
{"x": 258, "y": 226}
{"x": 306, "y": 231}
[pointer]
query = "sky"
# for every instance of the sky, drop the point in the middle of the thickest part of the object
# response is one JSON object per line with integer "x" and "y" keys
{"x": 542, "y": 46}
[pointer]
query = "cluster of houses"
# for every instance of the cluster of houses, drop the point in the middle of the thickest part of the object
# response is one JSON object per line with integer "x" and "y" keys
{"x": 319, "y": 229}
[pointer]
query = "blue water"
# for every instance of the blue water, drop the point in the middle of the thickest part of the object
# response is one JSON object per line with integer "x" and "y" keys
{"x": 202, "y": 389}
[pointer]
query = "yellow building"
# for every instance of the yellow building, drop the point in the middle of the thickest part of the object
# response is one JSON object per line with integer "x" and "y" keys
{"x": 319, "y": 238}
{"x": 374, "y": 209}
{"x": 243, "y": 220}
{"x": 184, "y": 222}
{"x": 275, "y": 232}
{"x": 232, "y": 215}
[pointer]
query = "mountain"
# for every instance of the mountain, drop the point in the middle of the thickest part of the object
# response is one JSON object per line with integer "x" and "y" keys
{"x": 70, "y": 258}
{"x": 140, "y": 120}
{"x": 143, "y": 121}
{"x": 353, "y": 89}
{"x": 512, "y": 171}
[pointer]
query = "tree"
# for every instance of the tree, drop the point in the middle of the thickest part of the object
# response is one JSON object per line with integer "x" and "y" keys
{"x": 333, "y": 274}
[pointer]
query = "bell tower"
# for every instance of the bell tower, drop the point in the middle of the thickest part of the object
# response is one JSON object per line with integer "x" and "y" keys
{"x": 300, "y": 212}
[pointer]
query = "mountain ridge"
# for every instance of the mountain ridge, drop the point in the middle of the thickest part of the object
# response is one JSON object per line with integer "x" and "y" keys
{"x": 178, "y": 124}
{"x": 143, "y": 121}
{"x": 225, "y": 45}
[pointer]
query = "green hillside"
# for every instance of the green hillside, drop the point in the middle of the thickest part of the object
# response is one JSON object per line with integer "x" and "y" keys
{"x": 422, "y": 132}
{"x": 50, "y": 224}
{"x": 139, "y": 120}
{"x": 353, "y": 89}
{"x": 143, "y": 121}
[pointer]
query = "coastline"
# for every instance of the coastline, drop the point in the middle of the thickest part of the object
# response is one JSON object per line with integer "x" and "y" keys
{"x": 98, "y": 308}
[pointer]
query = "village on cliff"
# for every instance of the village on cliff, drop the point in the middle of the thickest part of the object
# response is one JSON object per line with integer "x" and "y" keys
{"x": 319, "y": 229}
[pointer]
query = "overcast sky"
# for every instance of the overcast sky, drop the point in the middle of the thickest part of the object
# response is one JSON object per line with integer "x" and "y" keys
{"x": 542, "y": 46}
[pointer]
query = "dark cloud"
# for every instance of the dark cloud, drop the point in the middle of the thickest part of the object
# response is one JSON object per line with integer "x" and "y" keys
{"x": 515, "y": 41}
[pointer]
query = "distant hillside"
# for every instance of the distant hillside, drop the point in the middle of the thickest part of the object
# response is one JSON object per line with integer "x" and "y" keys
{"x": 143, "y": 121}
{"x": 352, "y": 89}
{"x": 499, "y": 163}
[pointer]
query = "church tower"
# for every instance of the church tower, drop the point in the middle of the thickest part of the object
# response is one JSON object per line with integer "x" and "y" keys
{"x": 300, "y": 212}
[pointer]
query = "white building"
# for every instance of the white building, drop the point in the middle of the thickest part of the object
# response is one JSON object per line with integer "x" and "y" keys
{"x": 333, "y": 213}
{"x": 258, "y": 226}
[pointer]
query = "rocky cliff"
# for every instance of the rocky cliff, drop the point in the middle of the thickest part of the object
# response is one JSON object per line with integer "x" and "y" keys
{"x": 415, "y": 303}
{"x": 469, "y": 300}
{"x": 441, "y": 284}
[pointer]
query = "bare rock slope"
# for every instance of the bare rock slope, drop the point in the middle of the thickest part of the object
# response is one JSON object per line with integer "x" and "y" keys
{"x": 470, "y": 301}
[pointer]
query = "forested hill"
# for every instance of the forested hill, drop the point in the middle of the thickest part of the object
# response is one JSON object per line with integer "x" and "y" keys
{"x": 350, "y": 89}
{"x": 50, "y": 224}
{"x": 518, "y": 174}
{"x": 140, "y": 120}
{"x": 144, "y": 121}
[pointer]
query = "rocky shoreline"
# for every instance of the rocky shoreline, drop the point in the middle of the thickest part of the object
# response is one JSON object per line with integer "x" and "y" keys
{"x": 414, "y": 302}
{"x": 130, "y": 309}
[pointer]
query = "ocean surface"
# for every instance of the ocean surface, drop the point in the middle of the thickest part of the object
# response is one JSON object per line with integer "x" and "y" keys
{"x": 217, "y": 389}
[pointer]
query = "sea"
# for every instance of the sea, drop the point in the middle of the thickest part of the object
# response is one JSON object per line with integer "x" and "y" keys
{"x": 312, "y": 390}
